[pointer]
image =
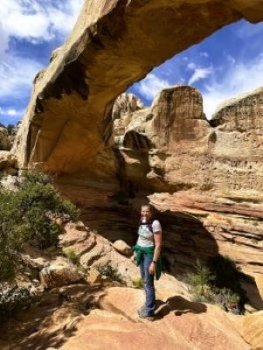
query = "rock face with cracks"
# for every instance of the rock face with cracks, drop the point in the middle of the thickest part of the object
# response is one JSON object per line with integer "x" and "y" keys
{"x": 210, "y": 171}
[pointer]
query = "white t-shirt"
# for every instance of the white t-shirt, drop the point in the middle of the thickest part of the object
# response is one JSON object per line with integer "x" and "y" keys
{"x": 146, "y": 238}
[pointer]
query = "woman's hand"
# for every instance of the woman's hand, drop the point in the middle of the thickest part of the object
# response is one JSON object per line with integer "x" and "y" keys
{"x": 152, "y": 268}
{"x": 133, "y": 258}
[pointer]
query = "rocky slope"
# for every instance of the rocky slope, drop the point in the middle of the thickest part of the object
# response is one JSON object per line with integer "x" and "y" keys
{"x": 84, "y": 317}
{"x": 84, "y": 304}
{"x": 179, "y": 325}
{"x": 93, "y": 310}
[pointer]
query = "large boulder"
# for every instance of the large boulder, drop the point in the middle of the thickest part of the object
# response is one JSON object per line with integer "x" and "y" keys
{"x": 7, "y": 160}
{"x": 60, "y": 272}
{"x": 5, "y": 143}
{"x": 126, "y": 104}
{"x": 122, "y": 247}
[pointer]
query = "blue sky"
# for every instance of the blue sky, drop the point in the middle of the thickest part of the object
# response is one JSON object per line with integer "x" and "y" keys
{"x": 224, "y": 65}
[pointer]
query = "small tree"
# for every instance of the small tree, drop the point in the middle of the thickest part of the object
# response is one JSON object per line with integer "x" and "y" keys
{"x": 29, "y": 214}
{"x": 201, "y": 277}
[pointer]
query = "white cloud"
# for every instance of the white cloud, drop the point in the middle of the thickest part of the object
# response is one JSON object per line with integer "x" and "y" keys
{"x": 151, "y": 85}
{"x": 221, "y": 83}
{"x": 16, "y": 77}
{"x": 3, "y": 41}
{"x": 191, "y": 66}
{"x": 9, "y": 112}
{"x": 230, "y": 59}
{"x": 10, "y": 115}
{"x": 36, "y": 21}
{"x": 203, "y": 54}
{"x": 200, "y": 73}
{"x": 243, "y": 77}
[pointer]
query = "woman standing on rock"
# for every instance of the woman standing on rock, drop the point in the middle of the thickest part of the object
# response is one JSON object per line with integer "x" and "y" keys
{"x": 148, "y": 257}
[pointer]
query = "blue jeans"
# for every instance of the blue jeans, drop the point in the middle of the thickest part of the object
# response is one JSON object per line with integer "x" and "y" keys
{"x": 148, "y": 282}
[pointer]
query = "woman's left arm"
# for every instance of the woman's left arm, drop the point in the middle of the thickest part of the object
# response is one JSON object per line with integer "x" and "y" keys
{"x": 157, "y": 250}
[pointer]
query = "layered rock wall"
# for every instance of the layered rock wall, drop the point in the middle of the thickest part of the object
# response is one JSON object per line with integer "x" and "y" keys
{"x": 212, "y": 171}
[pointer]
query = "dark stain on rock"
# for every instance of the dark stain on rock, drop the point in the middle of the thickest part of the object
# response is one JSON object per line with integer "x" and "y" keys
{"x": 39, "y": 106}
{"x": 72, "y": 79}
{"x": 107, "y": 125}
{"x": 212, "y": 137}
{"x": 97, "y": 43}
{"x": 113, "y": 25}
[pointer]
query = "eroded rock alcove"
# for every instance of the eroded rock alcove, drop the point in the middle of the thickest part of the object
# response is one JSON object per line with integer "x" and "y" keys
{"x": 207, "y": 175}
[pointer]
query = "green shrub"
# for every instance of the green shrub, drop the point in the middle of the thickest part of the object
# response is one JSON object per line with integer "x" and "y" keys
{"x": 110, "y": 272}
{"x": 227, "y": 297}
{"x": 200, "y": 278}
{"x": 138, "y": 283}
{"x": 217, "y": 282}
{"x": 71, "y": 255}
{"x": 227, "y": 276}
{"x": 13, "y": 297}
{"x": 29, "y": 214}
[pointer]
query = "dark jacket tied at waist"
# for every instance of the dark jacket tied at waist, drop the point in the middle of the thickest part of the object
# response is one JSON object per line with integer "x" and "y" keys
{"x": 149, "y": 251}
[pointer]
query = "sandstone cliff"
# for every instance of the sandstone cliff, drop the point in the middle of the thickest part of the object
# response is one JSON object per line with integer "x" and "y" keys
{"x": 212, "y": 171}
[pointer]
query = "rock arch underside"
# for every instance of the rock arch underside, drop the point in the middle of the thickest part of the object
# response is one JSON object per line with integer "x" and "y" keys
{"x": 208, "y": 175}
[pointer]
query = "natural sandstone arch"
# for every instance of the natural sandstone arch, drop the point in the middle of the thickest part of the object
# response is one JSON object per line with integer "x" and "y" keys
{"x": 67, "y": 127}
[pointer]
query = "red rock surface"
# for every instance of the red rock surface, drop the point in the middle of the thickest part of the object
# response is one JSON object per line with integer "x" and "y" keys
{"x": 180, "y": 324}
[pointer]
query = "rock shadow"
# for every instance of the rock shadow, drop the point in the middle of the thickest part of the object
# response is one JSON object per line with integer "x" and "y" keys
{"x": 178, "y": 306}
{"x": 44, "y": 324}
{"x": 185, "y": 239}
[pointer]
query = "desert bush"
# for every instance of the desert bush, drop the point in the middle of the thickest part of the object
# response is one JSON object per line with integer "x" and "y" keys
{"x": 138, "y": 283}
{"x": 218, "y": 281}
{"x": 199, "y": 282}
{"x": 71, "y": 255}
{"x": 28, "y": 215}
{"x": 110, "y": 272}
{"x": 200, "y": 278}
{"x": 228, "y": 276}
{"x": 13, "y": 297}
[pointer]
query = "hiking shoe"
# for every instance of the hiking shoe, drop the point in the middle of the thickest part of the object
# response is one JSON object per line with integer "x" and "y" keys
{"x": 142, "y": 314}
{"x": 141, "y": 309}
